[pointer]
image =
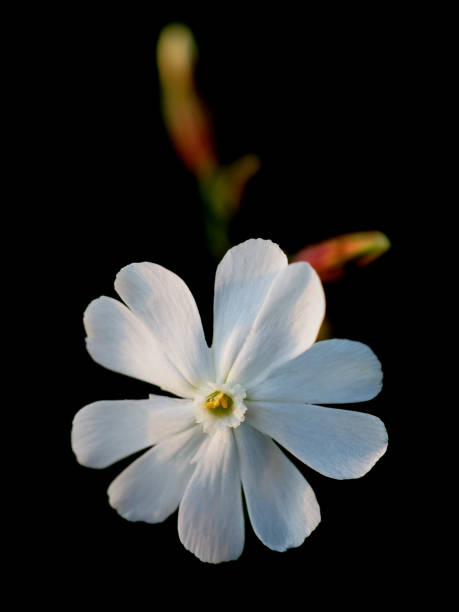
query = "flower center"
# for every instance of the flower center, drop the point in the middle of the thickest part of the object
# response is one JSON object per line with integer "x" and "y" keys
{"x": 220, "y": 403}
{"x": 219, "y": 406}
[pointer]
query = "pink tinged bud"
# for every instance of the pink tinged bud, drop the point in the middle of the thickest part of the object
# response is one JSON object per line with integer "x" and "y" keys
{"x": 186, "y": 117}
{"x": 330, "y": 258}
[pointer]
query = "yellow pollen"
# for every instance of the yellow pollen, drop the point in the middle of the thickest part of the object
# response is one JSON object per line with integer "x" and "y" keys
{"x": 220, "y": 403}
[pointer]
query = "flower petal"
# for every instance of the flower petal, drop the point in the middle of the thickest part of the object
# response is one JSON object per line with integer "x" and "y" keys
{"x": 164, "y": 303}
{"x": 151, "y": 488}
{"x": 107, "y": 431}
{"x": 210, "y": 520}
{"x": 330, "y": 372}
{"x": 243, "y": 279}
{"x": 285, "y": 327}
{"x": 282, "y": 506}
{"x": 337, "y": 443}
{"x": 119, "y": 341}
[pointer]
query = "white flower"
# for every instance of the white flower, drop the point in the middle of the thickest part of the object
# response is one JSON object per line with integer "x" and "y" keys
{"x": 260, "y": 381}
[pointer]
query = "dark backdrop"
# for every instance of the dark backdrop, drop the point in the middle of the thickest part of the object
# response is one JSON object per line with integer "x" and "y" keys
{"x": 329, "y": 104}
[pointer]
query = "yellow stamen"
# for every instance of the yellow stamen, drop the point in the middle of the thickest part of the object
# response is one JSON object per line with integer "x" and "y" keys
{"x": 220, "y": 403}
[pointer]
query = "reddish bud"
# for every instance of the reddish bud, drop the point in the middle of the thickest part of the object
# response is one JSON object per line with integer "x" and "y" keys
{"x": 331, "y": 257}
{"x": 186, "y": 117}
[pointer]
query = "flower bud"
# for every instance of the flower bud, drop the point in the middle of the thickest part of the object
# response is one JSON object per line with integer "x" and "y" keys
{"x": 331, "y": 257}
{"x": 187, "y": 120}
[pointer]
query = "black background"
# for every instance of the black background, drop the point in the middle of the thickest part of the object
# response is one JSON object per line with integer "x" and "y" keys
{"x": 330, "y": 103}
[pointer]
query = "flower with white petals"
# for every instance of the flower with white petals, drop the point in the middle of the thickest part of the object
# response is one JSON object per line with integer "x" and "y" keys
{"x": 261, "y": 380}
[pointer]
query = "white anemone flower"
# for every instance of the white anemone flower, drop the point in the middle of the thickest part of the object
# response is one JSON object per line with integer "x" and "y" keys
{"x": 261, "y": 380}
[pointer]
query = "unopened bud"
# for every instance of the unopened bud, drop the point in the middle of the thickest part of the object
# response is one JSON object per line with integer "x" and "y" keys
{"x": 185, "y": 115}
{"x": 330, "y": 258}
